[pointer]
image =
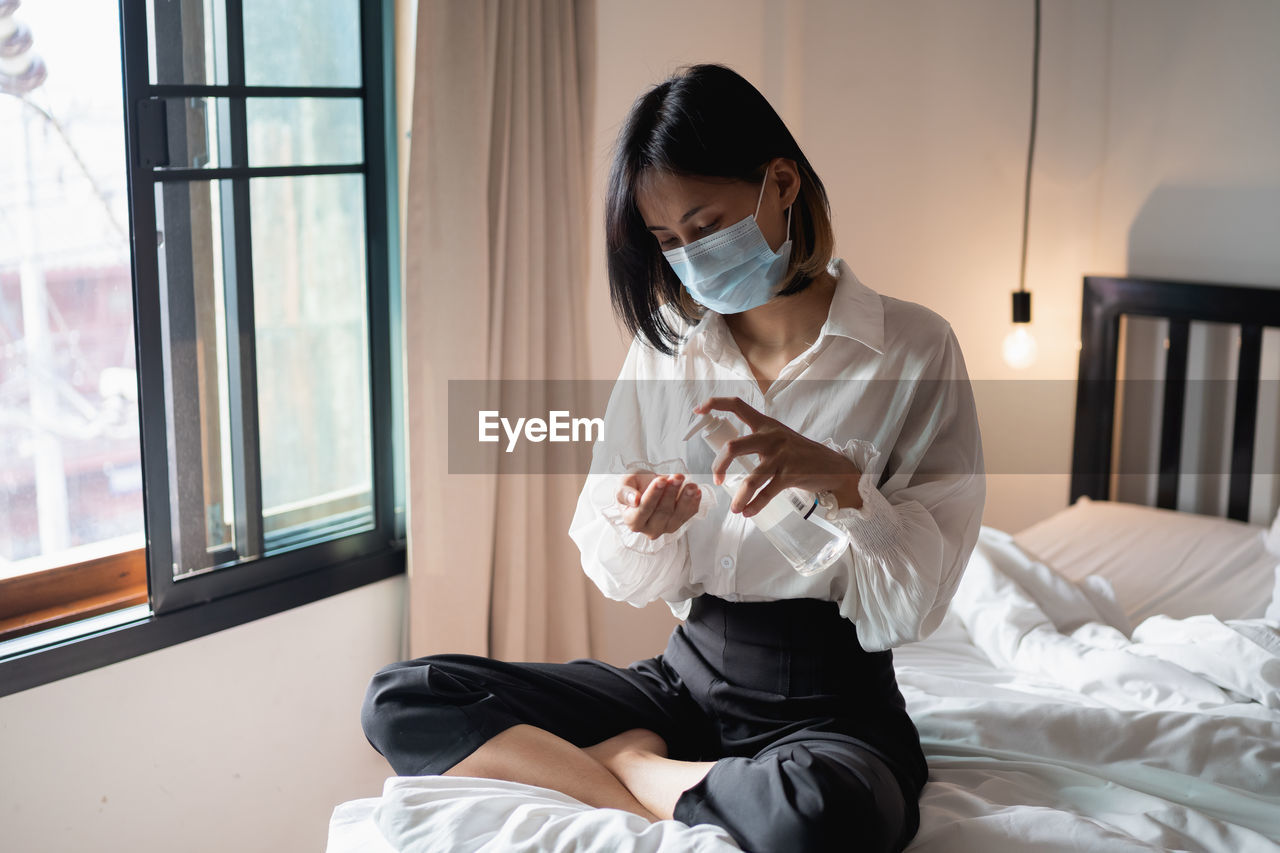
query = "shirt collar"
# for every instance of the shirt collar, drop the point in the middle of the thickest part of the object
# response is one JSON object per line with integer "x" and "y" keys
{"x": 856, "y": 312}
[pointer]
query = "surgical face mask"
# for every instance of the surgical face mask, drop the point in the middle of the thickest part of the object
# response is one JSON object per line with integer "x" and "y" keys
{"x": 733, "y": 270}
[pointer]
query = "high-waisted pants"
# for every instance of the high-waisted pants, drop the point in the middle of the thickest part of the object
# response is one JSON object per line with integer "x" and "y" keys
{"x": 812, "y": 745}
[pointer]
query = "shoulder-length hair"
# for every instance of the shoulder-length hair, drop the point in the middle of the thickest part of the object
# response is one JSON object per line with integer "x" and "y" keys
{"x": 704, "y": 121}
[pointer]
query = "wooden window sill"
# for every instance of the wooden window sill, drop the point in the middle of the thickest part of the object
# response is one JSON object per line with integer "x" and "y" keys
{"x": 57, "y": 596}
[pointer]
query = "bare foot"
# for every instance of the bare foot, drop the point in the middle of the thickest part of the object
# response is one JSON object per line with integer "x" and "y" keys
{"x": 630, "y": 741}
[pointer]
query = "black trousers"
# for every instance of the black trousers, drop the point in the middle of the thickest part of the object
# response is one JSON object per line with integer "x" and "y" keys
{"x": 812, "y": 744}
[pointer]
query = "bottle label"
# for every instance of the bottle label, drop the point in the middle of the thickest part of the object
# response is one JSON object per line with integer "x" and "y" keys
{"x": 797, "y": 501}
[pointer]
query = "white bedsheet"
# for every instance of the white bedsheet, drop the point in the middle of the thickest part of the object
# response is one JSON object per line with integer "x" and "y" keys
{"x": 450, "y": 814}
{"x": 1047, "y": 727}
{"x": 1039, "y": 739}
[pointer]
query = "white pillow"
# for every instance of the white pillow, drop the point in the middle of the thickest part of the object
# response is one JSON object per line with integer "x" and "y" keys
{"x": 1161, "y": 561}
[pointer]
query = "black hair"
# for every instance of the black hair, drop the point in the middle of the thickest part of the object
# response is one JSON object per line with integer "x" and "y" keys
{"x": 703, "y": 121}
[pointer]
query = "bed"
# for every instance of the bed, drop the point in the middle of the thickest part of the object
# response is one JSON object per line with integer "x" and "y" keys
{"x": 1107, "y": 679}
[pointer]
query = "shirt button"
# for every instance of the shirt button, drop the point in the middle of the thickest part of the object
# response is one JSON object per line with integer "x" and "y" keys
{"x": 726, "y": 562}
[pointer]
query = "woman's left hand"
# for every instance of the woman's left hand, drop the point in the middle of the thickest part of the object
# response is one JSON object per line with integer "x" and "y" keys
{"x": 786, "y": 459}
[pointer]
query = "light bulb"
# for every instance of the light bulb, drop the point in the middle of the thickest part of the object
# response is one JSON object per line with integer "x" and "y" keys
{"x": 1019, "y": 347}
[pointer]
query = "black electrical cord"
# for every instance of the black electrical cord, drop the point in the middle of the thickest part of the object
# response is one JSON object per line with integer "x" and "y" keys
{"x": 1031, "y": 150}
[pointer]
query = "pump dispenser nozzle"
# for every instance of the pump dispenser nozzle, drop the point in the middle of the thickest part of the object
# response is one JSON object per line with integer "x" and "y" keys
{"x": 701, "y": 423}
{"x": 716, "y": 431}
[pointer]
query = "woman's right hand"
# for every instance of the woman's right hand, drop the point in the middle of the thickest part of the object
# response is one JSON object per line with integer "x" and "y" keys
{"x": 657, "y": 504}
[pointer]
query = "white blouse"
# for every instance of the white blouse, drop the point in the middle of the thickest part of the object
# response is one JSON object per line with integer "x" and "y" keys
{"x": 884, "y": 384}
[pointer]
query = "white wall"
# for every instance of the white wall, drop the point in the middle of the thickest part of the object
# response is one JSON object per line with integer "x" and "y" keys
{"x": 1156, "y": 155}
{"x": 241, "y": 740}
{"x": 924, "y": 155}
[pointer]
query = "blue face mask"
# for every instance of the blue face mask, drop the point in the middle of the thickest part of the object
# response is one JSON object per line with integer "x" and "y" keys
{"x": 733, "y": 270}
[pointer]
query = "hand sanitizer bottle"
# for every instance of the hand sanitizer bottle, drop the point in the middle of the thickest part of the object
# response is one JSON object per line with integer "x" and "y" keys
{"x": 790, "y": 521}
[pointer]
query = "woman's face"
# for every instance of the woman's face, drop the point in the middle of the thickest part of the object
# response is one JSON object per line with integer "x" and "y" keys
{"x": 679, "y": 209}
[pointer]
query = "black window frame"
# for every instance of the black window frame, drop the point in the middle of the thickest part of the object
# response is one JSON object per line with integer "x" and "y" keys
{"x": 211, "y": 601}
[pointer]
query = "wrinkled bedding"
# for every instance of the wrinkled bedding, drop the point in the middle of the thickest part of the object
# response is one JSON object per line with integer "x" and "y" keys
{"x": 1048, "y": 728}
{"x": 1048, "y": 722}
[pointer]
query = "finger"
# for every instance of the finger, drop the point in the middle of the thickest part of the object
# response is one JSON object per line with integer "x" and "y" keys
{"x": 688, "y": 488}
{"x": 742, "y": 496}
{"x": 757, "y": 478}
{"x": 689, "y": 491}
{"x": 686, "y": 507}
{"x": 640, "y": 479}
{"x": 757, "y": 444}
{"x": 629, "y": 489}
{"x": 720, "y": 465}
{"x": 657, "y": 524}
{"x": 748, "y": 415}
{"x": 675, "y": 485}
{"x": 747, "y": 445}
{"x": 649, "y": 501}
{"x": 763, "y": 498}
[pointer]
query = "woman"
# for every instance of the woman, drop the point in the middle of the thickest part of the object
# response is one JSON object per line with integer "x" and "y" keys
{"x": 774, "y": 711}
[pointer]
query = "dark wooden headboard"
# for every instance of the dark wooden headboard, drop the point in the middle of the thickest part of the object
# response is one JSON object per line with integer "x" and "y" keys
{"x": 1180, "y": 302}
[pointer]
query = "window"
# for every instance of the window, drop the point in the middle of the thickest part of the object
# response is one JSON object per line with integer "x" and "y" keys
{"x": 230, "y": 334}
{"x": 71, "y": 509}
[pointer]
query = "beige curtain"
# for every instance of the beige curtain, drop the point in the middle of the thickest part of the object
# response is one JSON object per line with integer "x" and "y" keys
{"x": 495, "y": 289}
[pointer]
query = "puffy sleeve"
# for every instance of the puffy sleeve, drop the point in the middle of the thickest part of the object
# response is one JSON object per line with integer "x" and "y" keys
{"x": 915, "y": 531}
{"x": 626, "y": 565}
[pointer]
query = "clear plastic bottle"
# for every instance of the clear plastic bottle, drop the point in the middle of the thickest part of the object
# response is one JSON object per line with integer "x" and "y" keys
{"x": 790, "y": 521}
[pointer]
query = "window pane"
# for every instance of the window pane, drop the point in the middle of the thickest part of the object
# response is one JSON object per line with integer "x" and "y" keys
{"x": 196, "y": 131}
{"x": 282, "y": 132}
{"x": 187, "y": 41}
{"x": 310, "y": 309}
{"x": 70, "y": 471}
{"x": 305, "y": 131}
{"x": 195, "y": 255}
{"x": 285, "y": 48}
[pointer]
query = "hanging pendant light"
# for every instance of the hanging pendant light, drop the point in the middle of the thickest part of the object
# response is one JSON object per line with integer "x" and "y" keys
{"x": 1020, "y": 345}
{"x": 1019, "y": 348}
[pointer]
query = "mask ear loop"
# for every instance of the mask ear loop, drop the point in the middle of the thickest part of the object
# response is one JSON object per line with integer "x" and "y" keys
{"x": 763, "y": 184}
{"x": 756, "y": 215}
